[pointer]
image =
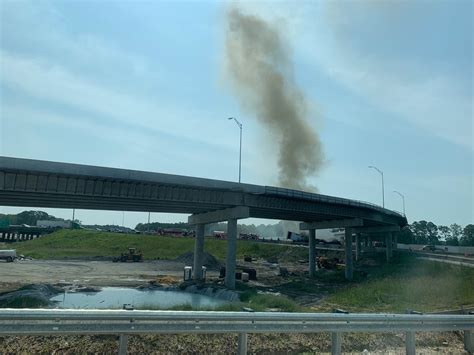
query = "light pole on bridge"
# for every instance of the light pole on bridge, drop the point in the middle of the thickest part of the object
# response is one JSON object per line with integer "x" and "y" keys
{"x": 240, "y": 149}
{"x": 383, "y": 188}
{"x": 403, "y": 200}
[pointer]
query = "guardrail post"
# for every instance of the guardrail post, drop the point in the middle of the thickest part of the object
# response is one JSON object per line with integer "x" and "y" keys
{"x": 410, "y": 343}
{"x": 242, "y": 344}
{"x": 336, "y": 343}
{"x": 123, "y": 344}
{"x": 469, "y": 341}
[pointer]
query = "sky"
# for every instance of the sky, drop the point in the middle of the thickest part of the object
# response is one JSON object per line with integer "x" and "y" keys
{"x": 141, "y": 85}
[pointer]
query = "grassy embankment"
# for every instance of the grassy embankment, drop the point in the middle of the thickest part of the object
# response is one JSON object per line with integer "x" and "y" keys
{"x": 77, "y": 243}
{"x": 405, "y": 283}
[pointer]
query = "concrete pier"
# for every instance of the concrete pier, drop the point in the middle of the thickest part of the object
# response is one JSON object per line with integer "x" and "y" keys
{"x": 348, "y": 254}
{"x": 198, "y": 252}
{"x": 388, "y": 246}
{"x": 358, "y": 246}
{"x": 312, "y": 252}
{"x": 231, "y": 253}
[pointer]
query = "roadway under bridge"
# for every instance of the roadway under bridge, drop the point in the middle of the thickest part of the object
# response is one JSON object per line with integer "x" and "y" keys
{"x": 36, "y": 183}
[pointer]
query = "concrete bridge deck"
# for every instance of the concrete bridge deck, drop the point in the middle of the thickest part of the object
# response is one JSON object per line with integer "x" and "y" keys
{"x": 36, "y": 183}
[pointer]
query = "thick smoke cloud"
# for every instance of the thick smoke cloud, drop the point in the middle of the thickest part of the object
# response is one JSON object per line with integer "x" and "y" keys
{"x": 259, "y": 70}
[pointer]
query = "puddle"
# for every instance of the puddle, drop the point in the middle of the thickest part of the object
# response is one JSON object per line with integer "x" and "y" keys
{"x": 116, "y": 297}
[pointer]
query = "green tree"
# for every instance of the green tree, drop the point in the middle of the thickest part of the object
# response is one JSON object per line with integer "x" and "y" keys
{"x": 444, "y": 232}
{"x": 456, "y": 233}
{"x": 468, "y": 235}
{"x": 406, "y": 236}
{"x": 453, "y": 241}
{"x": 424, "y": 232}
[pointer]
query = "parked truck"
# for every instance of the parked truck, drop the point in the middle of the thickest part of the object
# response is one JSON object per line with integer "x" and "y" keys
{"x": 8, "y": 254}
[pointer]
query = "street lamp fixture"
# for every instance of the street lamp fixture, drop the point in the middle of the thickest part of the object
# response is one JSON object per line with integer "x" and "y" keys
{"x": 240, "y": 149}
{"x": 403, "y": 200}
{"x": 383, "y": 188}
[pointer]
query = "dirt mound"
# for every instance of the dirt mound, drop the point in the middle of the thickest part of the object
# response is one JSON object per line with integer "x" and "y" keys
{"x": 208, "y": 260}
{"x": 28, "y": 296}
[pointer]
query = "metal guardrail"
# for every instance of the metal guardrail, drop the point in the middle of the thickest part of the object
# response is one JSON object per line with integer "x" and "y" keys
{"x": 124, "y": 323}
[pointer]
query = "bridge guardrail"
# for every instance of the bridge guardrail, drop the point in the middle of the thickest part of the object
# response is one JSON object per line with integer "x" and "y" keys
{"x": 329, "y": 199}
{"x": 124, "y": 323}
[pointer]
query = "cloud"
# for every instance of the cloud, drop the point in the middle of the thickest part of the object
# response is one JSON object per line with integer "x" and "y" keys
{"x": 344, "y": 43}
{"x": 39, "y": 31}
{"x": 53, "y": 85}
{"x": 397, "y": 81}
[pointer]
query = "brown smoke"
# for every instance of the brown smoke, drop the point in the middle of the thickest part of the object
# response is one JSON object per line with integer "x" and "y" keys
{"x": 260, "y": 74}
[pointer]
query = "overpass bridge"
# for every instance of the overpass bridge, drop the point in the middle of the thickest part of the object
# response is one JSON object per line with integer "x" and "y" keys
{"x": 36, "y": 183}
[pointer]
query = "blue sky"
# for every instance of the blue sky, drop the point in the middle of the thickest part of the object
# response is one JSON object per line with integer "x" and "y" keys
{"x": 141, "y": 85}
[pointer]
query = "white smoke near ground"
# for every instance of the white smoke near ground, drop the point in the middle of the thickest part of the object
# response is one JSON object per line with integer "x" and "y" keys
{"x": 259, "y": 70}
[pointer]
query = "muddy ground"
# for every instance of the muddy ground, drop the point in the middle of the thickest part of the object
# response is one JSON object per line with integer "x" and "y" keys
{"x": 107, "y": 273}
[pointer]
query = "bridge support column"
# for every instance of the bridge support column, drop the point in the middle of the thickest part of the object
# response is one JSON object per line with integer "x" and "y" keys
{"x": 358, "y": 246}
{"x": 231, "y": 215}
{"x": 388, "y": 246}
{"x": 198, "y": 252}
{"x": 312, "y": 252}
{"x": 231, "y": 253}
{"x": 348, "y": 254}
{"x": 395, "y": 240}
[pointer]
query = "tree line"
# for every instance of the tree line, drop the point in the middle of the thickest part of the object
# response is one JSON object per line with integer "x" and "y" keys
{"x": 424, "y": 232}
{"x": 26, "y": 217}
{"x": 419, "y": 232}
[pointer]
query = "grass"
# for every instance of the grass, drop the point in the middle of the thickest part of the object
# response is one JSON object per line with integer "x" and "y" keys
{"x": 407, "y": 284}
{"x": 80, "y": 243}
{"x": 251, "y": 298}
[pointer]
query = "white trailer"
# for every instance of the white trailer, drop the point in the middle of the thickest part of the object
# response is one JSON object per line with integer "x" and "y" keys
{"x": 8, "y": 254}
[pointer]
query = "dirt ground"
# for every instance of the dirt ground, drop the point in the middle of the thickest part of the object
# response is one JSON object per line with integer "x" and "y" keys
{"x": 320, "y": 343}
{"x": 107, "y": 273}
{"x": 93, "y": 273}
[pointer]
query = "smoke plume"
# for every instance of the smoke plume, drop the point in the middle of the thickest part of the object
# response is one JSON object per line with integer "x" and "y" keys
{"x": 259, "y": 70}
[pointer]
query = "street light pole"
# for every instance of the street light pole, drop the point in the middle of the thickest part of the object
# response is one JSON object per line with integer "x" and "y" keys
{"x": 403, "y": 200}
{"x": 240, "y": 148}
{"x": 383, "y": 188}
